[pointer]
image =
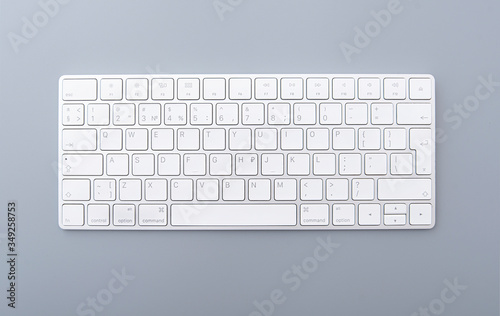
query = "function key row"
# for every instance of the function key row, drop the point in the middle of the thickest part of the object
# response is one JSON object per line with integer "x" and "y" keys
{"x": 293, "y": 88}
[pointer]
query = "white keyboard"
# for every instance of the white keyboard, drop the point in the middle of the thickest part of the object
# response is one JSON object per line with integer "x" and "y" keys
{"x": 245, "y": 151}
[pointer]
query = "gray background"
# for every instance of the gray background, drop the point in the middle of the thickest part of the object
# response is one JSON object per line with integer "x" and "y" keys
{"x": 224, "y": 272}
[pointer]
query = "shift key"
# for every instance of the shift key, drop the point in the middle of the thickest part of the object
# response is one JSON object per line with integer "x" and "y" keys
{"x": 404, "y": 189}
{"x": 82, "y": 165}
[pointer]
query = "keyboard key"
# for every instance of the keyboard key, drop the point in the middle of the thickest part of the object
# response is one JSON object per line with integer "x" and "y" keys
{"x": 79, "y": 89}
{"x": 369, "y": 214}
{"x": 136, "y": 139}
{"x": 117, "y": 165}
{"x": 82, "y": 165}
{"x": 207, "y": 189}
{"x": 337, "y": 189}
{"x": 76, "y": 189}
{"x": 343, "y": 138}
{"x": 188, "y": 139}
{"x": 214, "y": 89}
{"x": 72, "y": 214}
{"x": 343, "y": 88}
{"x": 201, "y": 113}
{"x": 298, "y": 164}
{"x": 130, "y": 189}
{"x": 421, "y": 141}
{"x": 152, "y": 214}
{"x": 314, "y": 214}
{"x": 356, "y": 113}
{"x": 175, "y": 114}
{"x": 266, "y": 88}
{"x": 137, "y": 89}
{"x": 111, "y": 89}
{"x": 394, "y": 88}
{"x": 401, "y": 164}
{"x": 318, "y": 139}
{"x": 252, "y": 114}
{"x": 246, "y": 164}
{"x": 169, "y": 164}
{"x": 311, "y": 189}
{"x": 227, "y": 113}
{"x": 98, "y": 215}
{"x": 124, "y": 215}
{"x": 79, "y": 139}
{"x": 272, "y": 164}
{"x": 98, "y": 114}
{"x": 330, "y": 113}
{"x": 194, "y": 164}
{"x": 123, "y": 114}
{"x": 317, "y": 88}
{"x": 420, "y": 88}
{"x": 214, "y": 139}
{"x": 285, "y": 189}
{"x": 292, "y": 139}
{"x": 104, "y": 189}
{"x": 181, "y": 189}
{"x": 266, "y": 139}
{"x": 259, "y": 189}
{"x": 292, "y": 88}
{"x": 149, "y": 114}
{"x": 111, "y": 139}
{"x": 278, "y": 114}
{"x": 375, "y": 164}
{"x": 404, "y": 189}
{"x": 72, "y": 114}
{"x": 350, "y": 164}
{"x": 420, "y": 214}
{"x": 240, "y": 139}
{"x": 233, "y": 189}
{"x": 395, "y": 208}
{"x": 233, "y": 215}
{"x": 162, "y": 139}
{"x": 394, "y": 220}
{"x": 188, "y": 89}
{"x": 143, "y": 164}
{"x": 363, "y": 189}
{"x": 304, "y": 113}
{"x": 369, "y": 138}
{"x": 155, "y": 189}
{"x": 324, "y": 164}
{"x": 413, "y": 113}
{"x": 240, "y": 88}
{"x": 220, "y": 164}
{"x": 382, "y": 113}
{"x": 162, "y": 89}
{"x": 343, "y": 214}
{"x": 395, "y": 138}
{"x": 369, "y": 88}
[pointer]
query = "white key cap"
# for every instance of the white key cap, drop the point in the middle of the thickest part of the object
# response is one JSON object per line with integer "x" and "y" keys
{"x": 130, "y": 189}
{"x": 162, "y": 139}
{"x": 246, "y": 164}
{"x": 227, "y": 113}
{"x": 343, "y": 214}
{"x": 356, "y": 113}
{"x": 404, "y": 189}
{"x": 349, "y": 164}
{"x": 375, "y": 164}
{"x": 152, "y": 215}
{"x": 79, "y": 139}
{"x": 421, "y": 141}
{"x": 79, "y": 89}
{"x": 117, "y": 165}
{"x": 143, "y": 164}
{"x": 266, "y": 139}
{"x": 162, "y": 88}
{"x": 233, "y": 189}
{"x": 207, "y": 189}
{"x": 363, "y": 189}
{"x": 401, "y": 164}
{"x": 111, "y": 89}
{"x": 314, "y": 215}
{"x": 104, "y": 189}
{"x": 98, "y": 215}
{"x": 72, "y": 215}
{"x": 137, "y": 89}
{"x": 214, "y": 88}
{"x": 317, "y": 88}
{"x": 252, "y": 114}
{"x": 397, "y": 208}
{"x": 317, "y": 139}
{"x": 266, "y": 88}
{"x": 169, "y": 164}
{"x": 181, "y": 190}
{"x": 343, "y": 88}
{"x": 420, "y": 214}
{"x": 188, "y": 139}
{"x": 175, "y": 114}
{"x": 394, "y": 220}
{"x": 149, "y": 114}
{"x": 82, "y": 165}
{"x": 343, "y": 138}
{"x": 292, "y": 88}
{"x": 240, "y": 139}
{"x": 285, "y": 189}
{"x": 272, "y": 164}
{"x": 369, "y": 88}
{"x": 420, "y": 88}
{"x": 194, "y": 165}
{"x": 337, "y": 189}
{"x": 240, "y": 88}
{"x": 278, "y": 114}
{"x": 76, "y": 189}
{"x": 292, "y": 139}
{"x": 136, "y": 139}
{"x": 394, "y": 88}
{"x": 124, "y": 215}
{"x": 201, "y": 113}
{"x": 72, "y": 114}
{"x": 156, "y": 189}
{"x": 311, "y": 189}
{"x": 188, "y": 88}
{"x": 214, "y": 139}
{"x": 98, "y": 114}
{"x": 369, "y": 214}
{"x": 330, "y": 113}
{"x": 324, "y": 164}
{"x": 123, "y": 114}
{"x": 369, "y": 138}
{"x": 220, "y": 164}
{"x": 259, "y": 189}
{"x": 304, "y": 113}
{"x": 298, "y": 164}
{"x": 395, "y": 138}
{"x": 414, "y": 113}
{"x": 382, "y": 113}
{"x": 234, "y": 215}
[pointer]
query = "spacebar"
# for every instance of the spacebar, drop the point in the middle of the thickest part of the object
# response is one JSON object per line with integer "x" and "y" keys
{"x": 233, "y": 214}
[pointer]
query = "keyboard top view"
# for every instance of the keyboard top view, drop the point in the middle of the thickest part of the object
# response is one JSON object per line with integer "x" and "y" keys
{"x": 247, "y": 151}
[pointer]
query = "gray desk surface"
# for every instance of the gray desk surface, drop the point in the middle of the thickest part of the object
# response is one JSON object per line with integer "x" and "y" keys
{"x": 227, "y": 273}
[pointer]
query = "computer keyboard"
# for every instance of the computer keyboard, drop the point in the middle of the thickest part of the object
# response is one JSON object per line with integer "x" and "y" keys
{"x": 170, "y": 152}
